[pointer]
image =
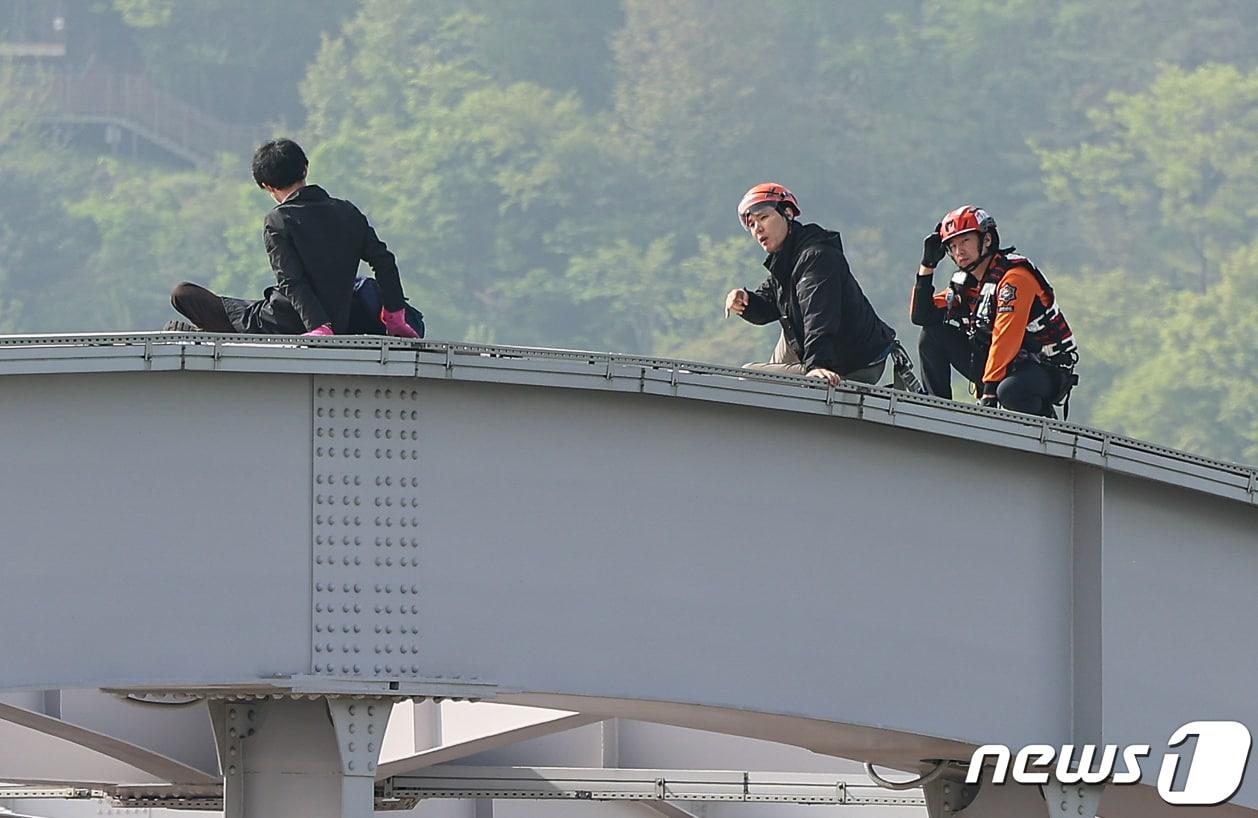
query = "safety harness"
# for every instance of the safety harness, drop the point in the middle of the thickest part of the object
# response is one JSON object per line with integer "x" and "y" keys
{"x": 1048, "y": 340}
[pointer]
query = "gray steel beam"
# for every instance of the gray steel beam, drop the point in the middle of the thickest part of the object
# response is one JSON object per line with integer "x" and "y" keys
{"x": 610, "y": 739}
{"x": 453, "y": 752}
{"x": 141, "y": 758}
{"x": 510, "y": 488}
{"x": 177, "y": 728}
{"x": 374, "y": 356}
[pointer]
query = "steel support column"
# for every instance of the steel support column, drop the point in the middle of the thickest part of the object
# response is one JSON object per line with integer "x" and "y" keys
{"x": 359, "y": 725}
{"x": 1087, "y": 606}
{"x": 1073, "y": 800}
{"x": 947, "y": 797}
{"x": 304, "y": 758}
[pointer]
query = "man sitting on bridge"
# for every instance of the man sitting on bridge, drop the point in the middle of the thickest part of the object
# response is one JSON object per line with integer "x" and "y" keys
{"x": 997, "y": 323}
{"x": 829, "y": 329}
{"x": 315, "y": 243}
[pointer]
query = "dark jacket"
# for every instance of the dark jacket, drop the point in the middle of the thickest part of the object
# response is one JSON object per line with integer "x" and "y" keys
{"x": 315, "y": 243}
{"x": 825, "y": 316}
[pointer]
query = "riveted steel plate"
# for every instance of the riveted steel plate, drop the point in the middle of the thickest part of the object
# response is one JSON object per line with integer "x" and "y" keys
{"x": 365, "y": 528}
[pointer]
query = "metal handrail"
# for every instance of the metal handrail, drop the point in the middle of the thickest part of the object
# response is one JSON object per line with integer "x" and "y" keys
{"x": 132, "y": 101}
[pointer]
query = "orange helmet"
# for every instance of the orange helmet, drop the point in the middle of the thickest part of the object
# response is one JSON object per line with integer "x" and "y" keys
{"x": 965, "y": 219}
{"x": 766, "y": 193}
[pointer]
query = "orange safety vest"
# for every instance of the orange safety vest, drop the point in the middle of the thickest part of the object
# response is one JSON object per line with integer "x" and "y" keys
{"x": 974, "y": 305}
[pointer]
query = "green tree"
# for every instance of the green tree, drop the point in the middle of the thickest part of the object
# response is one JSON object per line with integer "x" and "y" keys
{"x": 153, "y": 234}
{"x": 484, "y": 185}
{"x": 715, "y": 96}
{"x": 1168, "y": 182}
{"x": 239, "y": 60}
{"x": 1195, "y": 388}
{"x": 697, "y": 328}
{"x": 40, "y": 241}
{"x": 392, "y": 58}
{"x": 1158, "y": 202}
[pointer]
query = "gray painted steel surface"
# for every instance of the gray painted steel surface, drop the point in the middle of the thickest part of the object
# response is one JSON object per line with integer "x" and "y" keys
{"x": 628, "y": 537}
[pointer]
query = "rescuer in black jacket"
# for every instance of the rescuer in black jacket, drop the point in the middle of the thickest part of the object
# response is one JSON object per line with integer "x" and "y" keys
{"x": 829, "y": 329}
{"x": 314, "y": 243}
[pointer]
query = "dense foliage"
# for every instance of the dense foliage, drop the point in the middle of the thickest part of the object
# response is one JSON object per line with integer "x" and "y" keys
{"x": 564, "y": 172}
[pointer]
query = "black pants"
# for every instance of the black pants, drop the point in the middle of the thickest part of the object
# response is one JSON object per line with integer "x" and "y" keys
{"x": 1029, "y": 387}
{"x": 201, "y": 307}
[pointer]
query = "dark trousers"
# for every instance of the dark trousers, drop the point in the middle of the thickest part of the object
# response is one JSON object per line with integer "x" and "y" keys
{"x": 1029, "y": 387}
{"x": 201, "y": 307}
{"x": 941, "y": 349}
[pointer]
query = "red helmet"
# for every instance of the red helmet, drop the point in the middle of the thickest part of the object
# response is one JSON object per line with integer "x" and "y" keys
{"x": 965, "y": 219}
{"x": 766, "y": 192}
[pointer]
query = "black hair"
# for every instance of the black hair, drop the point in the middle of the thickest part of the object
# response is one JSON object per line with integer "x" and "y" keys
{"x": 279, "y": 163}
{"x": 996, "y": 248}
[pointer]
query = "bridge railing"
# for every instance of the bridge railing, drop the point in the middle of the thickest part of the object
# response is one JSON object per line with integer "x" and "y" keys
{"x": 132, "y": 102}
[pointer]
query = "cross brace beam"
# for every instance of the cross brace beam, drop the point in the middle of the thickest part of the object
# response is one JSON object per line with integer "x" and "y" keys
{"x": 596, "y": 784}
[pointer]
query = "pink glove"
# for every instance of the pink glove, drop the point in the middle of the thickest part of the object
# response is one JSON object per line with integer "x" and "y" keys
{"x": 395, "y": 323}
{"x": 319, "y": 332}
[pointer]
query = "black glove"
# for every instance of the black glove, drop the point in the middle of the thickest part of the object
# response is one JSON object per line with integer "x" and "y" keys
{"x": 989, "y": 401}
{"x": 933, "y": 250}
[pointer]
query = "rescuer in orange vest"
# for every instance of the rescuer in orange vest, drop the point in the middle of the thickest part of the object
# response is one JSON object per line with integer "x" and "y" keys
{"x": 997, "y": 323}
